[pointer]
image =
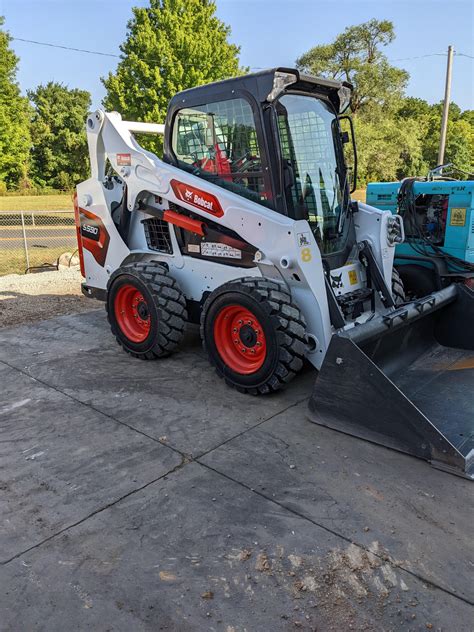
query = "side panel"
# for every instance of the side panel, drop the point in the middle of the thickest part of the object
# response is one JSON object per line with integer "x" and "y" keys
{"x": 371, "y": 225}
{"x": 99, "y": 262}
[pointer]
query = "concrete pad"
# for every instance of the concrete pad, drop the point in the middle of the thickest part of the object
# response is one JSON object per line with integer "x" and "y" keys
{"x": 60, "y": 461}
{"x": 196, "y": 551}
{"x": 421, "y": 517}
{"x": 179, "y": 399}
{"x": 60, "y": 337}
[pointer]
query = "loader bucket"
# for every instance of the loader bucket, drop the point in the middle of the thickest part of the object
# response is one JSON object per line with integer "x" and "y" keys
{"x": 406, "y": 381}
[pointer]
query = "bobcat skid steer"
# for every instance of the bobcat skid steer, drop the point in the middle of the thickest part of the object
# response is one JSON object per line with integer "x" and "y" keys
{"x": 246, "y": 226}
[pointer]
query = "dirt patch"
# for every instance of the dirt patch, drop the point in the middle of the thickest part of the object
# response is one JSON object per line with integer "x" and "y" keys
{"x": 31, "y": 297}
{"x": 349, "y": 588}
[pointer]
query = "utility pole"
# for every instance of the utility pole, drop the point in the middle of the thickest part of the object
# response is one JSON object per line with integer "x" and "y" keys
{"x": 447, "y": 99}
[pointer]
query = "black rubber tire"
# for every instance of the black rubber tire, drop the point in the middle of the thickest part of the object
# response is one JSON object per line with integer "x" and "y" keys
{"x": 418, "y": 280}
{"x": 283, "y": 325}
{"x": 166, "y": 305}
{"x": 398, "y": 288}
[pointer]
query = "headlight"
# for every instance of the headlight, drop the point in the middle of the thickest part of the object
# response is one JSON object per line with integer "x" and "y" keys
{"x": 344, "y": 93}
{"x": 280, "y": 81}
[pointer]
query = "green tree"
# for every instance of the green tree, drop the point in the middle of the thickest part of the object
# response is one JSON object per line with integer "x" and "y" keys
{"x": 14, "y": 117}
{"x": 171, "y": 45}
{"x": 59, "y": 145}
{"x": 459, "y": 140}
{"x": 413, "y": 107}
{"x": 459, "y": 137}
{"x": 388, "y": 151}
{"x": 355, "y": 56}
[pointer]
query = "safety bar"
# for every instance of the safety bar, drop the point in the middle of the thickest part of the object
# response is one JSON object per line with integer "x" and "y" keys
{"x": 397, "y": 318}
{"x": 144, "y": 128}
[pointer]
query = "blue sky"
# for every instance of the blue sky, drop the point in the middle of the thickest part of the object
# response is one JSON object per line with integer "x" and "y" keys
{"x": 270, "y": 33}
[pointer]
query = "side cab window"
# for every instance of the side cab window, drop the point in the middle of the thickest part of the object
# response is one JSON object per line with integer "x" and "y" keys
{"x": 218, "y": 142}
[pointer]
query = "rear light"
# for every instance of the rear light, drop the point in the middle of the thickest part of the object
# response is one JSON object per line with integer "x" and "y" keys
{"x": 77, "y": 219}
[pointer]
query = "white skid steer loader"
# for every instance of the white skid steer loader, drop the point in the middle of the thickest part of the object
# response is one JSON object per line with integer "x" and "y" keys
{"x": 246, "y": 226}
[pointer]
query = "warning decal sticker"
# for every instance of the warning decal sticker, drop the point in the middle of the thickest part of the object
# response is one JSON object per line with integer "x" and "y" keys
{"x": 124, "y": 160}
{"x": 458, "y": 217}
{"x": 352, "y": 277}
{"x": 303, "y": 239}
{"x": 214, "y": 249}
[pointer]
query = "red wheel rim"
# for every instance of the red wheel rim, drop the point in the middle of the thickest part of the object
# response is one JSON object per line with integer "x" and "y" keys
{"x": 239, "y": 339}
{"x": 131, "y": 313}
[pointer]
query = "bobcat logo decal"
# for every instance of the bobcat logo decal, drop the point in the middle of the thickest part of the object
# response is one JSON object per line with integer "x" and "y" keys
{"x": 336, "y": 281}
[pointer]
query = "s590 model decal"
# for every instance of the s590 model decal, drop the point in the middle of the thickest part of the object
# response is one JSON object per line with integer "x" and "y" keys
{"x": 92, "y": 232}
{"x": 94, "y": 235}
{"x": 197, "y": 197}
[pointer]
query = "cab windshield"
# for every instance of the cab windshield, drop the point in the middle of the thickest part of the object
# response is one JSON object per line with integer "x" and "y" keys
{"x": 314, "y": 174}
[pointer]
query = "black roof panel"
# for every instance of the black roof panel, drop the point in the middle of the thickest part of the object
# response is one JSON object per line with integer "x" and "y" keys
{"x": 259, "y": 84}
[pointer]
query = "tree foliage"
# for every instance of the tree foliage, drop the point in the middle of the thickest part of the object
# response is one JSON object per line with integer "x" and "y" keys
{"x": 171, "y": 45}
{"x": 397, "y": 136}
{"x": 59, "y": 152}
{"x": 14, "y": 117}
{"x": 355, "y": 56}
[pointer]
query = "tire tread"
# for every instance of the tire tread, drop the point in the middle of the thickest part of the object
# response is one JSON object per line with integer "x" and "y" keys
{"x": 289, "y": 324}
{"x": 169, "y": 301}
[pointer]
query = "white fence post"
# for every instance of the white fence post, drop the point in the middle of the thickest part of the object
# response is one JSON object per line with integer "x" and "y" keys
{"x": 25, "y": 243}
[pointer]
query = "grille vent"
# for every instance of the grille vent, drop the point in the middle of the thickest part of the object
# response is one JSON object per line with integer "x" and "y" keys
{"x": 157, "y": 235}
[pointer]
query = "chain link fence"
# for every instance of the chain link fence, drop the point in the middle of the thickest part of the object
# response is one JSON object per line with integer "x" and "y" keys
{"x": 35, "y": 239}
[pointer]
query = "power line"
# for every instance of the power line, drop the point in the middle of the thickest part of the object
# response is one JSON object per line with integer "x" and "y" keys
{"x": 77, "y": 50}
{"x": 102, "y": 54}
{"x": 96, "y": 52}
{"x": 419, "y": 57}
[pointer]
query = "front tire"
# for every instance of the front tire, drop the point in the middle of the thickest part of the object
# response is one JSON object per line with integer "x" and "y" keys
{"x": 254, "y": 335}
{"x": 146, "y": 310}
{"x": 398, "y": 288}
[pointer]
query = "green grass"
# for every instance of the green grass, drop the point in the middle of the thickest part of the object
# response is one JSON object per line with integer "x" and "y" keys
{"x": 63, "y": 201}
{"x": 57, "y": 202}
{"x": 14, "y": 262}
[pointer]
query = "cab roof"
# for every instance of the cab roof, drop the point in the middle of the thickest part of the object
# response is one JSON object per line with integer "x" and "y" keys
{"x": 260, "y": 85}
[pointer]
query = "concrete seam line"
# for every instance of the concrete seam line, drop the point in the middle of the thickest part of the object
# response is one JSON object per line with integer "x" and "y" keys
{"x": 339, "y": 535}
{"x": 259, "y": 423}
{"x": 144, "y": 434}
{"x": 187, "y": 459}
{"x": 100, "y": 412}
{"x": 184, "y": 462}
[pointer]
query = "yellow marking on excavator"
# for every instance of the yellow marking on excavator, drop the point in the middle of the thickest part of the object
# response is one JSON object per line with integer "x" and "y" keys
{"x": 353, "y": 277}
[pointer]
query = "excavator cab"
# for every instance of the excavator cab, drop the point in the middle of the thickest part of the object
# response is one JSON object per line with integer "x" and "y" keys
{"x": 272, "y": 136}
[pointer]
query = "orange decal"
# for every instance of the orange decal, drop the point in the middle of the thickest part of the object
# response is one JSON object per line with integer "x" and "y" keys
{"x": 197, "y": 197}
{"x": 95, "y": 237}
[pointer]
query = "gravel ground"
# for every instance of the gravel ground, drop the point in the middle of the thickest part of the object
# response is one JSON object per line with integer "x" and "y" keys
{"x": 30, "y": 297}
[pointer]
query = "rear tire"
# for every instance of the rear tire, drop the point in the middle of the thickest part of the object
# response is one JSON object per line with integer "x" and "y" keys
{"x": 398, "y": 288}
{"x": 146, "y": 310}
{"x": 418, "y": 280}
{"x": 254, "y": 335}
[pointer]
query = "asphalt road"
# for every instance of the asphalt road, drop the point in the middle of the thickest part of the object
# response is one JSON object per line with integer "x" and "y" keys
{"x": 11, "y": 237}
{"x": 150, "y": 496}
